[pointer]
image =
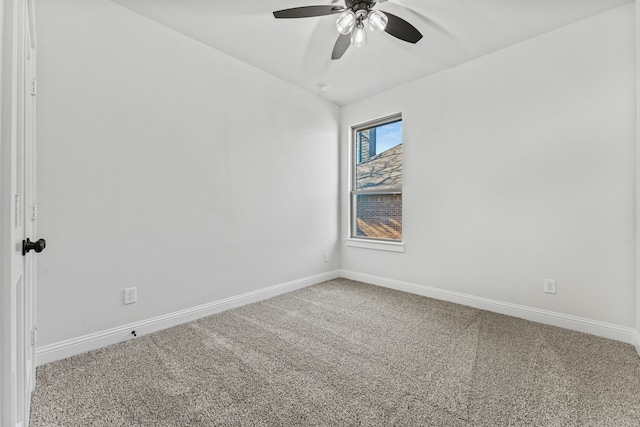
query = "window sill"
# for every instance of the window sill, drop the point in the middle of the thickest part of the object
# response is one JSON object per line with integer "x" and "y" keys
{"x": 375, "y": 244}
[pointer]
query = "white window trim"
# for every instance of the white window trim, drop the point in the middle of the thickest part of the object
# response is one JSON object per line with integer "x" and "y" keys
{"x": 380, "y": 245}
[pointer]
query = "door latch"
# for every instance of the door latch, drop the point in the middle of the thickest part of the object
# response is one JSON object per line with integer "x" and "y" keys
{"x": 28, "y": 245}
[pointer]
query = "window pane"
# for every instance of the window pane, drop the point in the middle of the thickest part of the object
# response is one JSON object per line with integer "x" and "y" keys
{"x": 377, "y": 182}
{"x": 379, "y": 158}
{"x": 379, "y": 216}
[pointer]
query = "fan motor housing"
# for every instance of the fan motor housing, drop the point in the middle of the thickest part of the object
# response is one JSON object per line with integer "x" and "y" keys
{"x": 356, "y": 5}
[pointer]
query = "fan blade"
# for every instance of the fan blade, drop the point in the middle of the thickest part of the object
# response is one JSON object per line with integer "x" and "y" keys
{"x": 401, "y": 29}
{"x": 341, "y": 46}
{"x": 308, "y": 11}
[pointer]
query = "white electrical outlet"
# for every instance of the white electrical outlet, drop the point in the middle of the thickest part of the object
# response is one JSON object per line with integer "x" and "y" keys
{"x": 326, "y": 257}
{"x": 130, "y": 295}
{"x": 550, "y": 286}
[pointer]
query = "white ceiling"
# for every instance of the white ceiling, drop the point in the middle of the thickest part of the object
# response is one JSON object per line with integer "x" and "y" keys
{"x": 299, "y": 50}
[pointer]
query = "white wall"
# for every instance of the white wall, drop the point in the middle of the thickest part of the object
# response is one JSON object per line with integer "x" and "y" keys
{"x": 169, "y": 166}
{"x": 519, "y": 166}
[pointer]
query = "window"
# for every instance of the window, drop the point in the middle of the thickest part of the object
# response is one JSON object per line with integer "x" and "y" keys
{"x": 376, "y": 180}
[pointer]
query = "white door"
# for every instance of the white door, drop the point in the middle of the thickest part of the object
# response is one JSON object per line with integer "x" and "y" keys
{"x": 17, "y": 212}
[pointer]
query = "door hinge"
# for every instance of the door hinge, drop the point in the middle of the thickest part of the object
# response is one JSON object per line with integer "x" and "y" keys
{"x": 34, "y": 87}
{"x": 34, "y": 336}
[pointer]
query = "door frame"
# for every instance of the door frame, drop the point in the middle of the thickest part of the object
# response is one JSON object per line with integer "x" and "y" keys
{"x": 17, "y": 358}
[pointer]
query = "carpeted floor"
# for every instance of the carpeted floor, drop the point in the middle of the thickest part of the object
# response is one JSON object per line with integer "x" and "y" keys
{"x": 347, "y": 353}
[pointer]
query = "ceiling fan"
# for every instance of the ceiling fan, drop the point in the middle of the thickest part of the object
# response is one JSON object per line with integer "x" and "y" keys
{"x": 350, "y": 23}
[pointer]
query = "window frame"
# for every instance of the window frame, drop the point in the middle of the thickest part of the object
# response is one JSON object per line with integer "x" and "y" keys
{"x": 396, "y": 245}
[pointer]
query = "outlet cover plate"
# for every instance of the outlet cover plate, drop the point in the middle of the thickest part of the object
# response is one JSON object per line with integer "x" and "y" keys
{"x": 550, "y": 286}
{"x": 130, "y": 295}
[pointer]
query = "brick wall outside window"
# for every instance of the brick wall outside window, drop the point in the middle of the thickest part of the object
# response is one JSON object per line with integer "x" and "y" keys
{"x": 379, "y": 216}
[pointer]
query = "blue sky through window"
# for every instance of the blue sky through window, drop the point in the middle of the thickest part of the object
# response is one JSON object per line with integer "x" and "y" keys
{"x": 388, "y": 136}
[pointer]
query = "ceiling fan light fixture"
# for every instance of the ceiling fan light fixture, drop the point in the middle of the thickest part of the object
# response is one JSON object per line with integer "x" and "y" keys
{"x": 350, "y": 22}
{"x": 346, "y": 21}
{"x": 359, "y": 36}
{"x": 377, "y": 21}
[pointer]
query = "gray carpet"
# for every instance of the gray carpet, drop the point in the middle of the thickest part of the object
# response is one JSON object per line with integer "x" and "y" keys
{"x": 347, "y": 353}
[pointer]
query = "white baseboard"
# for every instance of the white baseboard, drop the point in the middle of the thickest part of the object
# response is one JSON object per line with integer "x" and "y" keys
{"x": 63, "y": 349}
{"x": 575, "y": 323}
